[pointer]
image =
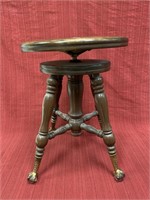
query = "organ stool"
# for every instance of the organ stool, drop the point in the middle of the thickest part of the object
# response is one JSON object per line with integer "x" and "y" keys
{"x": 74, "y": 69}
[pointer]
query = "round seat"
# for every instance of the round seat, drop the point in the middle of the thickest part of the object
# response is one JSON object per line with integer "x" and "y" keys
{"x": 74, "y": 46}
{"x": 80, "y": 67}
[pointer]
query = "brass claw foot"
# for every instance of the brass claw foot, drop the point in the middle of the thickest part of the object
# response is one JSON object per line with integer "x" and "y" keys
{"x": 32, "y": 177}
{"x": 119, "y": 175}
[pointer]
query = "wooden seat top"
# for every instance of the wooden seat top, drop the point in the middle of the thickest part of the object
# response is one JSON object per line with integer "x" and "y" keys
{"x": 75, "y": 45}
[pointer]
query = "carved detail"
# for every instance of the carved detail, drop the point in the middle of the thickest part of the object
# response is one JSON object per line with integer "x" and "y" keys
{"x": 53, "y": 120}
{"x": 74, "y": 118}
{"x": 91, "y": 129}
{"x": 56, "y": 105}
{"x": 32, "y": 177}
{"x": 109, "y": 140}
{"x": 90, "y": 115}
{"x": 97, "y": 84}
{"x": 64, "y": 116}
{"x": 59, "y": 131}
{"x": 119, "y": 175}
{"x": 103, "y": 117}
{"x": 100, "y": 101}
{"x": 41, "y": 140}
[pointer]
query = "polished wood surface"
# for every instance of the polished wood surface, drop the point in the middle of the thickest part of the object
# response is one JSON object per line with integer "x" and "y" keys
{"x": 74, "y": 70}
{"x": 80, "y": 67}
{"x": 75, "y": 119}
{"x": 74, "y": 46}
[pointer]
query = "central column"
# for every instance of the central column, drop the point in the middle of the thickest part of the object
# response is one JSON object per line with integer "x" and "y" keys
{"x": 75, "y": 92}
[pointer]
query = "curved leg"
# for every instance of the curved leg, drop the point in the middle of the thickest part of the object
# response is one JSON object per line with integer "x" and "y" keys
{"x": 108, "y": 136}
{"x": 42, "y": 138}
{"x": 56, "y": 106}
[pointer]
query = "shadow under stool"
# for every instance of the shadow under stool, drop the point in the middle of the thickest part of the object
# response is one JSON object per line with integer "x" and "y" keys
{"x": 74, "y": 69}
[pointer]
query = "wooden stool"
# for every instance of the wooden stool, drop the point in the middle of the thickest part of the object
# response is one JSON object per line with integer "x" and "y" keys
{"x": 74, "y": 69}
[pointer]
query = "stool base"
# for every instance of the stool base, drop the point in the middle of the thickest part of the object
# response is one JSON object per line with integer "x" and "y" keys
{"x": 75, "y": 119}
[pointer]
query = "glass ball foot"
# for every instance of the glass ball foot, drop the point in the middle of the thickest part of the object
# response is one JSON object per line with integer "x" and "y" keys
{"x": 32, "y": 177}
{"x": 119, "y": 175}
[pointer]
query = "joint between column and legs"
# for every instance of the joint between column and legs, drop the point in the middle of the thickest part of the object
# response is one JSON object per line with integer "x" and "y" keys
{"x": 101, "y": 105}
{"x": 49, "y": 101}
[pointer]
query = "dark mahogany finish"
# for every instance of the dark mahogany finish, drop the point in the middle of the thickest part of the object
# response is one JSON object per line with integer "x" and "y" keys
{"x": 74, "y": 46}
{"x": 74, "y": 69}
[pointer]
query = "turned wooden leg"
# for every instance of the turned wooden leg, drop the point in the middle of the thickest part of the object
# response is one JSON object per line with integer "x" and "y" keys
{"x": 41, "y": 140}
{"x": 56, "y": 105}
{"x": 108, "y": 136}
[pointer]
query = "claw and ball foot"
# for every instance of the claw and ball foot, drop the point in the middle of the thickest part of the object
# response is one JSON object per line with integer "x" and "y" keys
{"x": 32, "y": 177}
{"x": 119, "y": 175}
